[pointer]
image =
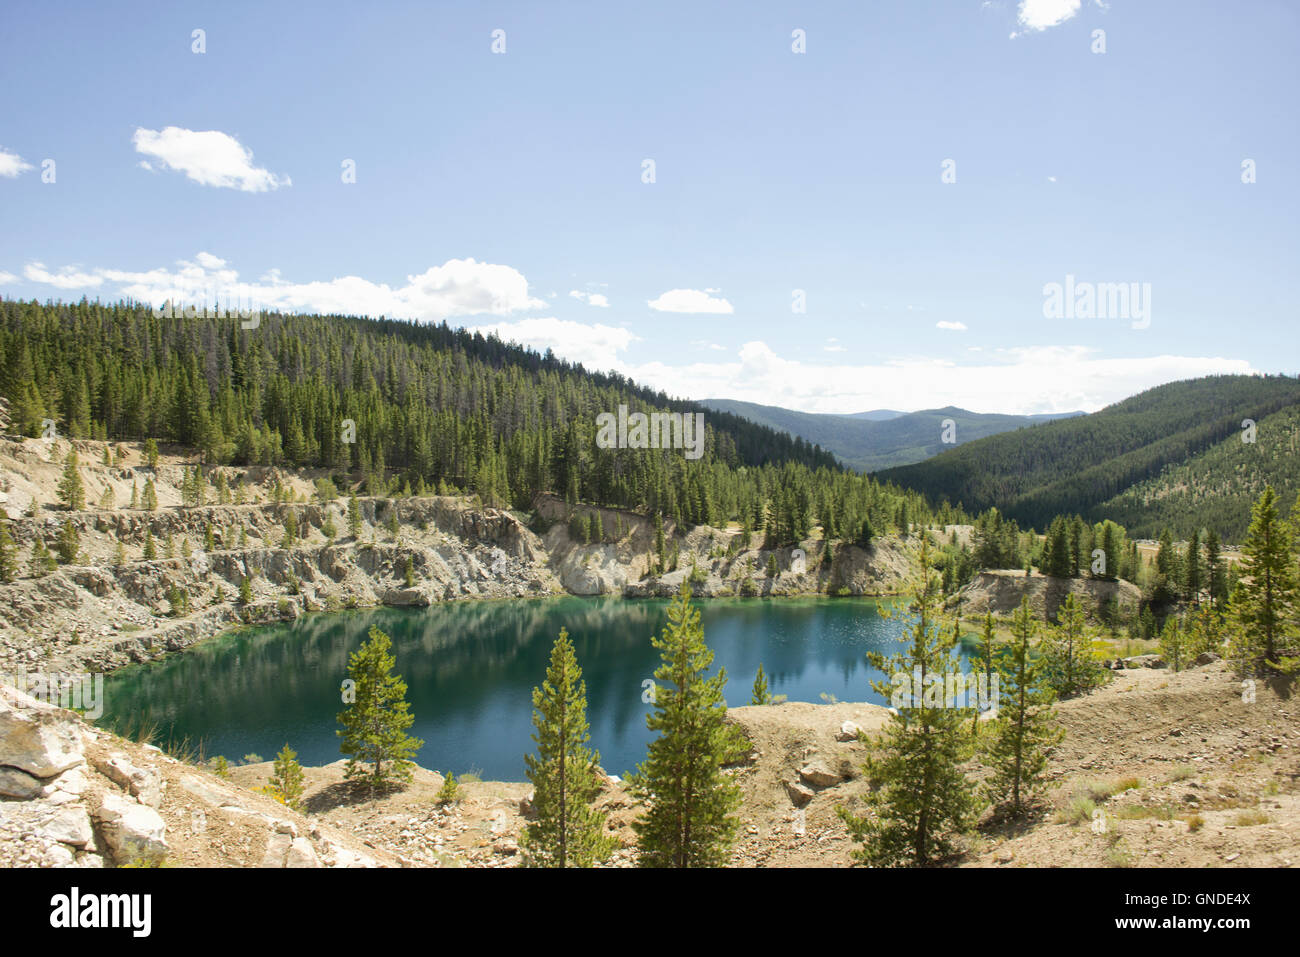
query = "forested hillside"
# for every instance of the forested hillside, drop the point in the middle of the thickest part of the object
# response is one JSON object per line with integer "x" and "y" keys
{"x": 1077, "y": 466}
{"x": 1217, "y": 488}
{"x": 872, "y": 441}
{"x": 432, "y": 406}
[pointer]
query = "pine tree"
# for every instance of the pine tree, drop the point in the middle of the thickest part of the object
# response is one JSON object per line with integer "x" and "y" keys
{"x": 924, "y": 798}
{"x": 150, "y": 549}
{"x": 150, "y": 500}
{"x": 286, "y": 782}
{"x": 354, "y": 515}
{"x": 41, "y": 561}
{"x": 1192, "y": 569}
{"x": 151, "y": 453}
{"x": 71, "y": 491}
{"x": 1214, "y": 582}
{"x": 376, "y": 718}
{"x": 759, "y": 693}
{"x": 1070, "y": 667}
{"x": 569, "y": 831}
{"x": 983, "y": 659}
{"x": 290, "y": 529}
{"x": 689, "y": 820}
{"x": 1173, "y": 643}
{"x": 245, "y": 591}
{"x": 68, "y": 543}
{"x": 1264, "y": 602}
{"x": 1025, "y": 730}
{"x": 8, "y": 557}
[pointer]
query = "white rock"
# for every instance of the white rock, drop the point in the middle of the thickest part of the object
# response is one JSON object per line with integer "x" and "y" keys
{"x": 131, "y": 829}
{"x": 36, "y": 737}
{"x": 301, "y": 854}
{"x": 848, "y": 732}
{"x": 70, "y": 825}
{"x": 144, "y": 784}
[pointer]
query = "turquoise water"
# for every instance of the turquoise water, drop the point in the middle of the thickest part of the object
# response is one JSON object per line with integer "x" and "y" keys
{"x": 471, "y": 667}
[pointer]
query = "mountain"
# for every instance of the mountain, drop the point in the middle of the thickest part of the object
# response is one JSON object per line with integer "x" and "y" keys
{"x": 878, "y": 415}
{"x": 1171, "y": 456}
{"x": 868, "y": 441}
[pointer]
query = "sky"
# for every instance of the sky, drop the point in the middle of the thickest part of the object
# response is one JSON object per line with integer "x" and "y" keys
{"x": 832, "y": 207}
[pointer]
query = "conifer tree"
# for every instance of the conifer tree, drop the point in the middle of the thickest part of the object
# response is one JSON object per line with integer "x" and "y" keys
{"x": 1192, "y": 569}
{"x": 41, "y": 561}
{"x": 1024, "y": 732}
{"x": 569, "y": 831}
{"x": 354, "y": 515}
{"x": 689, "y": 819}
{"x": 1264, "y": 601}
{"x": 150, "y": 549}
{"x": 376, "y": 718}
{"x": 71, "y": 491}
{"x": 1070, "y": 667}
{"x": 1173, "y": 643}
{"x": 68, "y": 543}
{"x": 290, "y": 529}
{"x": 982, "y": 661}
{"x": 924, "y": 799}
{"x": 759, "y": 694}
{"x": 150, "y": 500}
{"x": 8, "y": 556}
{"x": 151, "y": 453}
{"x": 1214, "y": 581}
{"x": 286, "y": 782}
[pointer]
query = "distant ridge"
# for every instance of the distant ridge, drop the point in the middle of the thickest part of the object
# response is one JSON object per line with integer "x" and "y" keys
{"x": 1170, "y": 457}
{"x": 881, "y": 438}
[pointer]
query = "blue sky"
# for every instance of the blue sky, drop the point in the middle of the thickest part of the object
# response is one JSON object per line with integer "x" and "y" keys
{"x": 505, "y": 190}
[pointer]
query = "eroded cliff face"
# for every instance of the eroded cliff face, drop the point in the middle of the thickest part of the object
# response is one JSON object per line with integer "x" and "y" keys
{"x": 96, "y": 617}
{"x": 144, "y": 582}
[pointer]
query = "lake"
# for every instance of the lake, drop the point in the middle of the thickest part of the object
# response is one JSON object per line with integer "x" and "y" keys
{"x": 470, "y": 668}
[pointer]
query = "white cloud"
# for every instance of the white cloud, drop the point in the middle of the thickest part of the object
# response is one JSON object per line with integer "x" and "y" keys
{"x": 694, "y": 301}
{"x": 590, "y": 298}
{"x": 1037, "y": 15}
{"x": 955, "y": 326}
{"x": 66, "y": 278}
{"x": 459, "y": 287}
{"x": 209, "y": 157}
{"x": 595, "y": 346}
{"x": 7, "y": 277}
{"x": 11, "y": 164}
{"x": 1022, "y": 380}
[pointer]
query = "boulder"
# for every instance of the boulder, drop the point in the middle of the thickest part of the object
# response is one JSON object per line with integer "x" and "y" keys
{"x": 1206, "y": 658}
{"x": 818, "y": 775}
{"x": 131, "y": 829}
{"x": 19, "y": 784}
{"x": 848, "y": 732}
{"x": 145, "y": 785}
{"x": 301, "y": 854}
{"x": 1144, "y": 661}
{"x": 36, "y": 737}
{"x": 800, "y": 794}
{"x": 69, "y": 825}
